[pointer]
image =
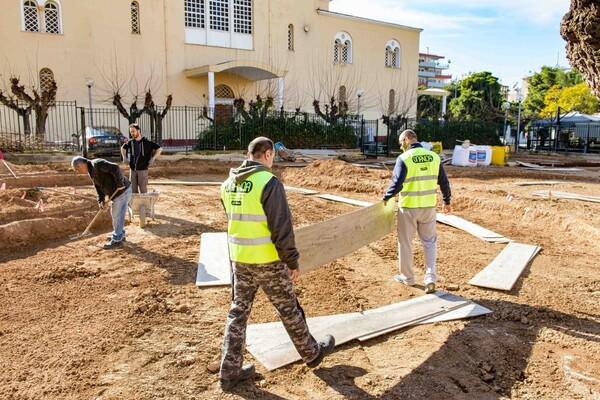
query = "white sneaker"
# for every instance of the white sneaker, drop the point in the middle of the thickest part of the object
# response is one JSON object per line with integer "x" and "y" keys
{"x": 400, "y": 278}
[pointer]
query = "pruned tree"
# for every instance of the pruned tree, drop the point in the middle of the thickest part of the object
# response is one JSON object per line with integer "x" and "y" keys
{"x": 398, "y": 100}
{"x": 39, "y": 100}
{"x": 332, "y": 87}
{"x": 116, "y": 85}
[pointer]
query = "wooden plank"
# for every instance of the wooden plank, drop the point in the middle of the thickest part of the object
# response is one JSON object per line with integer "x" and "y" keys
{"x": 329, "y": 240}
{"x": 567, "y": 195}
{"x": 270, "y": 344}
{"x": 538, "y": 183}
{"x": 184, "y": 183}
{"x": 505, "y": 269}
{"x": 300, "y": 190}
{"x": 213, "y": 267}
{"x": 469, "y": 227}
{"x": 318, "y": 244}
{"x": 344, "y": 200}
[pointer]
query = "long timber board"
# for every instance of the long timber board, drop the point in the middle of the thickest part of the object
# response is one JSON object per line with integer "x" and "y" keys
{"x": 270, "y": 344}
{"x": 505, "y": 269}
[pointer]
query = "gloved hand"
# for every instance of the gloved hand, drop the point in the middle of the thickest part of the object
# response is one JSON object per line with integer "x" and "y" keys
{"x": 151, "y": 161}
{"x": 101, "y": 205}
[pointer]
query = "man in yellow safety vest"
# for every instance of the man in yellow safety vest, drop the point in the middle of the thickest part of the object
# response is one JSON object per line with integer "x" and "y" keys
{"x": 263, "y": 254}
{"x": 417, "y": 174}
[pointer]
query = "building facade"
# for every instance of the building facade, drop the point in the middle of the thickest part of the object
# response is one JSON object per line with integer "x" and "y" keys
{"x": 431, "y": 71}
{"x": 210, "y": 52}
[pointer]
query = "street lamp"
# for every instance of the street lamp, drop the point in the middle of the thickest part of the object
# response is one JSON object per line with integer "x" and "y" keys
{"x": 506, "y": 106}
{"x": 519, "y": 99}
{"x": 89, "y": 82}
{"x": 359, "y": 93}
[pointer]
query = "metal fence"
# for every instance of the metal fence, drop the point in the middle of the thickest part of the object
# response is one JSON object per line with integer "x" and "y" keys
{"x": 575, "y": 138}
{"x": 183, "y": 128}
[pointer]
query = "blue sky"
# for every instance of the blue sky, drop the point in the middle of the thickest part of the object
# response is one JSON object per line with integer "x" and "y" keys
{"x": 508, "y": 38}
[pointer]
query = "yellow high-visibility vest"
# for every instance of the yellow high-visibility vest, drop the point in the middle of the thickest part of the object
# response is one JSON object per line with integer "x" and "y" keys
{"x": 247, "y": 230}
{"x": 419, "y": 189}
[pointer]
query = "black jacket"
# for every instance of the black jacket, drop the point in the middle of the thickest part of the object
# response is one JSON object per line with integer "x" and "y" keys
{"x": 140, "y": 162}
{"x": 279, "y": 216}
{"x": 107, "y": 177}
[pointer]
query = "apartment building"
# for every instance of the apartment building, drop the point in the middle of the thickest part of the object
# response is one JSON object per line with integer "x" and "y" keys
{"x": 431, "y": 71}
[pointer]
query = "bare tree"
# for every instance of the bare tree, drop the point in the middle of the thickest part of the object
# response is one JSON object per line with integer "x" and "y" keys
{"x": 398, "y": 99}
{"x": 116, "y": 85}
{"x": 41, "y": 98}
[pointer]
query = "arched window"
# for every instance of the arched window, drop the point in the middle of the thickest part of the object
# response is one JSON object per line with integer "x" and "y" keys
{"x": 30, "y": 17}
{"x": 392, "y": 102}
{"x": 342, "y": 96}
{"x": 342, "y": 48}
{"x": 51, "y": 18}
{"x": 290, "y": 37}
{"x": 392, "y": 54}
{"x": 135, "y": 17}
{"x": 46, "y": 78}
{"x": 223, "y": 92}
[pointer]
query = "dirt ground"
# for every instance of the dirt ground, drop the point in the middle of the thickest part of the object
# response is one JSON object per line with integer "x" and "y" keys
{"x": 80, "y": 322}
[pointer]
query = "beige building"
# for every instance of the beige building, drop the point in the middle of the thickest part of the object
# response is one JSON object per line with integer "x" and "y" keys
{"x": 208, "y": 52}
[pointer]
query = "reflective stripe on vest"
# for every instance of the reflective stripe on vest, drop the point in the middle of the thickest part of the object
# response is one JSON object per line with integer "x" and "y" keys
{"x": 419, "y": 189}
{"x": 248, "y": 233}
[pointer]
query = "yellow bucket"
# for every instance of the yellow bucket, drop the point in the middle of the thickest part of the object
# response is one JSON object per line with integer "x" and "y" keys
{"x": 436, "y": 147}
{"x": 500, "y": 155}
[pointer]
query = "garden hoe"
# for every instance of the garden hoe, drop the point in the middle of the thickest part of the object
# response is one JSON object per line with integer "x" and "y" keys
{"x": 87, "y": 230}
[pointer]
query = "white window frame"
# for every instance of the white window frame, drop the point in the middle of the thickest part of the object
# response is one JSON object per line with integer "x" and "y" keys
{"x": 41, "y": 17}
{"x": 37, "y": 9}
{"x": 136, "y": 26}
{"x": 342, "y": 43}
{"x": 237, "y": 19}
{"x": 58, "y": 18}
{"x": 392, "y": 50}
{"x": 290, "y": 37}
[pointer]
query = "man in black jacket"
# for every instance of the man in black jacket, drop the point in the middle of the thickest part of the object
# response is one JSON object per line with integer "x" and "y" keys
{"x": 142, "y": 154}
{"x": 108, "y": 181}
{"x": 263, "y": 254}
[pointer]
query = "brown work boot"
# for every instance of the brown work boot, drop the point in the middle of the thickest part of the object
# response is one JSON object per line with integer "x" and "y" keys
{"x": 246, "y": 372}
{"x": 325, "y": 347}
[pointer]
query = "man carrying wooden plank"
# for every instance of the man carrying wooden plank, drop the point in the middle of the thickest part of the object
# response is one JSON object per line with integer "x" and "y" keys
{"x": 417, "y": 174}
{"x": 263, "y": 254}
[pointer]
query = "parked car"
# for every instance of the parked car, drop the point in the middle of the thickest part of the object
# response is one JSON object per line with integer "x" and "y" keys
{"x": 102, "y": 141}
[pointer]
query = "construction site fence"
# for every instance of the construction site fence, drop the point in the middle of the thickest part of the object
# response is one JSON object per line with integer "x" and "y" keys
{"x": 181, "y": 128}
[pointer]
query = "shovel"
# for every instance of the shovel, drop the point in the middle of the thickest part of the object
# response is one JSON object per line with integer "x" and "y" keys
{"x": 87, "y": 230}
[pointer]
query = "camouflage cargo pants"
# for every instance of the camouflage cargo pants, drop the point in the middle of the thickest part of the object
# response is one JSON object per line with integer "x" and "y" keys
{"x": 274, "y": 280}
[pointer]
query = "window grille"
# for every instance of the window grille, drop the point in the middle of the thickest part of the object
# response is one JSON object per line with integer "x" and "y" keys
{"x": 223, "y": 92}
{"x": 194, "y": 13}
{"x": 336, "y": 51}
{"x": 51, "y": 23}
{"x": 135, "y": 17}
{"x": 30, "y": 14}
{"x": 387, "y": 56}
{"x": 290, "y": 37}
{"x": 394, "y": 59}
{"x": 219, "y": 15}
{"x": 392, "y": 102}
{"x": 46, "y": 78}
{"x": 242, "y": 16}
{"x": 342, "y": 94}
{"x": 346, "y": 52}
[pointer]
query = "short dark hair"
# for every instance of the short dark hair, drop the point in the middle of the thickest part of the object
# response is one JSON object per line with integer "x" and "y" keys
{"x": 136, "y": 126}
{"x": 259, "y": 146}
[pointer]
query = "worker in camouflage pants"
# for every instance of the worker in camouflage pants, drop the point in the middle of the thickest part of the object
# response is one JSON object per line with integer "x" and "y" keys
{"x": 263, "y": 254}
